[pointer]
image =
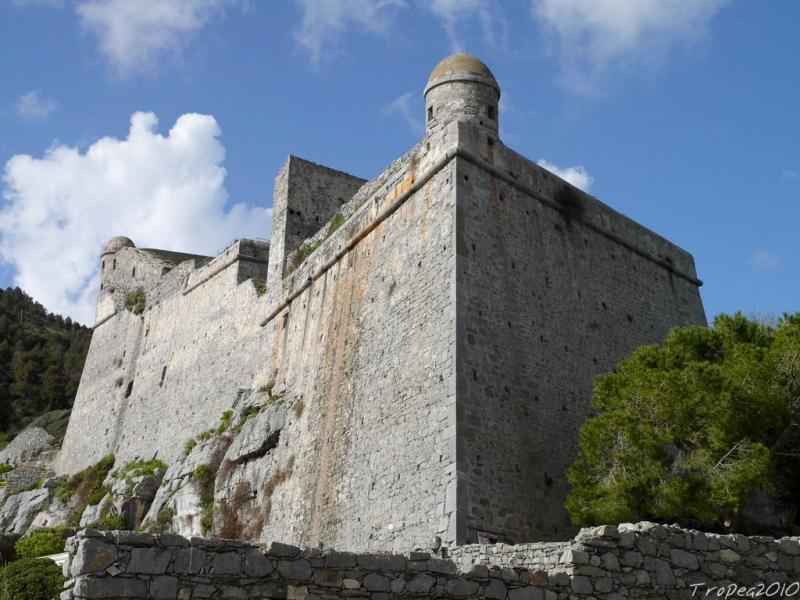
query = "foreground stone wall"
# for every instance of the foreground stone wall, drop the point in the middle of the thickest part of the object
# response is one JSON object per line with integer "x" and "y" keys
{"x": 642, "y": 560}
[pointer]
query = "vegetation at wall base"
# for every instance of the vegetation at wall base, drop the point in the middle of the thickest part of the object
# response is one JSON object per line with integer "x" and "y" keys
{"x": 41, "y": 359}
{"x": 41, "y": 543}
{"x": 31, "y": 579}
{"x": 688, "y": 431}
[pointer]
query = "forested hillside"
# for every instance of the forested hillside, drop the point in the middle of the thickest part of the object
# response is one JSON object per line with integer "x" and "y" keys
{"x": 41, "y": 358}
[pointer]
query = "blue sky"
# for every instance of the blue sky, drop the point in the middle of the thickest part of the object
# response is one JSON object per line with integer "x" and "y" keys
{"x": 168, "y": 120}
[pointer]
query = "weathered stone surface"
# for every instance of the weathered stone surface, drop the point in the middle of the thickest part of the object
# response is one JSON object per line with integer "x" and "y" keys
{"x": 189, "y": 560}
{"x": 226, "y": 563}
{"x": 27, "y": 446}
{"x": 92, "y": 555}
{"x": 148, "y": 561}
{"x": 19, "y": 510}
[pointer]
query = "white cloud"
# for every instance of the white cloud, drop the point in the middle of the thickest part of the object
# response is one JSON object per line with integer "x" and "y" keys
{"x": 455, "y": 15}
{"x": 577, "y": 175}
{"x": 764, "y": 260}
{"x": 407, "y": 106}
{"x": 134, "y": 35}
{"x": 35, "y": 106}
{"x": 789, "y": 175}
{"x": 325, "y": 21}
{"x": 163, "y": 191}
{"x": 595, "y": 36}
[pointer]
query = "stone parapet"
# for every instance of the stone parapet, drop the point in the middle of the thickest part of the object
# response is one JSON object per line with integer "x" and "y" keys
{"x": 643, "y": 560}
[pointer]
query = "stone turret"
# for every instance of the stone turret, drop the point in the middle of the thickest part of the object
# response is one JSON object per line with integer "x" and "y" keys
{"x": 462, "y": 88}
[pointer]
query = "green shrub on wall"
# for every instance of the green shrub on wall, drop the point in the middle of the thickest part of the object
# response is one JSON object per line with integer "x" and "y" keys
{"x": 135, "y": 301}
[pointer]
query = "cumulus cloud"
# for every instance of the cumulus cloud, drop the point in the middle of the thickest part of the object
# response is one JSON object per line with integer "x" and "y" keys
{"x": 133, "y": 36}
{"x": 406, "y": 107}
{"x": 163, "y": 191}
{"x": 764, "y": 260}
{"x": 324, "y": 21}
{"x": 35, "y": 106}
{"x": 594, "y": 36}
{"x": 577, "y": 175}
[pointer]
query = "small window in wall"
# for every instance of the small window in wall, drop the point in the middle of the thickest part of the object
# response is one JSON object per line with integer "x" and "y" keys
{"x": 103, "y": 266}
{"x": 163, "y": 374}
{"x": 129, "y": 389}
{"x": 490, "y": 111}
{"x": 430, "y": 113}
{"x": 133, "y": 272}
{"x": 114, "y": 264}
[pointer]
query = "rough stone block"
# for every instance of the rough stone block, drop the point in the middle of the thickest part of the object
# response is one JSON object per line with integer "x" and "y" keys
{"x": 256, "y": 564}
{"x": 150, "y": 561}
{"x": 92, "y": 555}
{"x": 226, "y": 563}
{"x": 164, "y": 588}
{"x": 376, "y": 583}
{"x": 189, "y": 560}
{"x": 86, "y": 587}
{"x": 296, "y": 570}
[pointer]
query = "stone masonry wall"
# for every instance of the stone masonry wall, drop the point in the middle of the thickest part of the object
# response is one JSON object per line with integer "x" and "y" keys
{"x": 644, "y": 560}
{"x": 368, "y": 345}
{"x": 153, "y": 380}
{"x": 550, "y": 294}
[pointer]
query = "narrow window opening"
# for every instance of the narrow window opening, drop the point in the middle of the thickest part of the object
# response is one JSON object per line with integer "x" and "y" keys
{"x": 133, "y": 272}
{"x": 103, "y": 267}
{"x": 430, "y": 114}
{"x": 114, "y": 265}
{"x": 163, "y": 374}
{"x": 129, "y": 389}
{"x": 101, "y": 286}
{"x": 490, "y": 112}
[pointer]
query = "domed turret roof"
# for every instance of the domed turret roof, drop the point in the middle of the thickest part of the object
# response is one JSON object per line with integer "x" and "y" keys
{"x": 461, "y": 67}
{"x": 117, "y": 243}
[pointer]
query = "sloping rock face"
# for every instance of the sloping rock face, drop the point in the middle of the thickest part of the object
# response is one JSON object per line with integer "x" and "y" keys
{"x": 20, "y": 509}
{"x": 224, "y": 483}
{"x": 31, "y": 445}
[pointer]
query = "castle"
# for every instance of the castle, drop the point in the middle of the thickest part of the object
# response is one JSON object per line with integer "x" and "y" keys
{"x": 421, "y": 346}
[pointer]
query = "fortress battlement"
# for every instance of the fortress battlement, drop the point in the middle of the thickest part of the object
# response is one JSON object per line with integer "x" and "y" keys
{"x": 418, "y": 363}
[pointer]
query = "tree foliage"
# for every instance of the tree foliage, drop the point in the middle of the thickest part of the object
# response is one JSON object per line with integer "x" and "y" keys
{"x": 689, "y": 430}
{"x": 41, "y": 359}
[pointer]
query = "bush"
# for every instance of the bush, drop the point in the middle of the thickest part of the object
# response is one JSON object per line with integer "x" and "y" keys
{"x": 5, "y": 468}
{"x": 261, "y": 287}
{"x": 31, "y": 579}
{"x": 111, "y": 522}
{"x": 41, "y": 543}
{"x": 689, "y": 430}
{"x": 135, "y": 301}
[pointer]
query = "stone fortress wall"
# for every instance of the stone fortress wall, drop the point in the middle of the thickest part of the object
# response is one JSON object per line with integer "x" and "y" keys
{"x": 640, "y": 560}
{"x": 425, "y": 347}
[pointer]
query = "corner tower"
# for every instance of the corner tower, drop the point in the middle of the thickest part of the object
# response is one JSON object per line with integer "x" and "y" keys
{"x": 462, "y": 88}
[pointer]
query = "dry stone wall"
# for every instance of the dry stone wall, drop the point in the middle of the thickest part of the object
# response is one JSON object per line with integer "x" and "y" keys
{"x": 643, "y": 560}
